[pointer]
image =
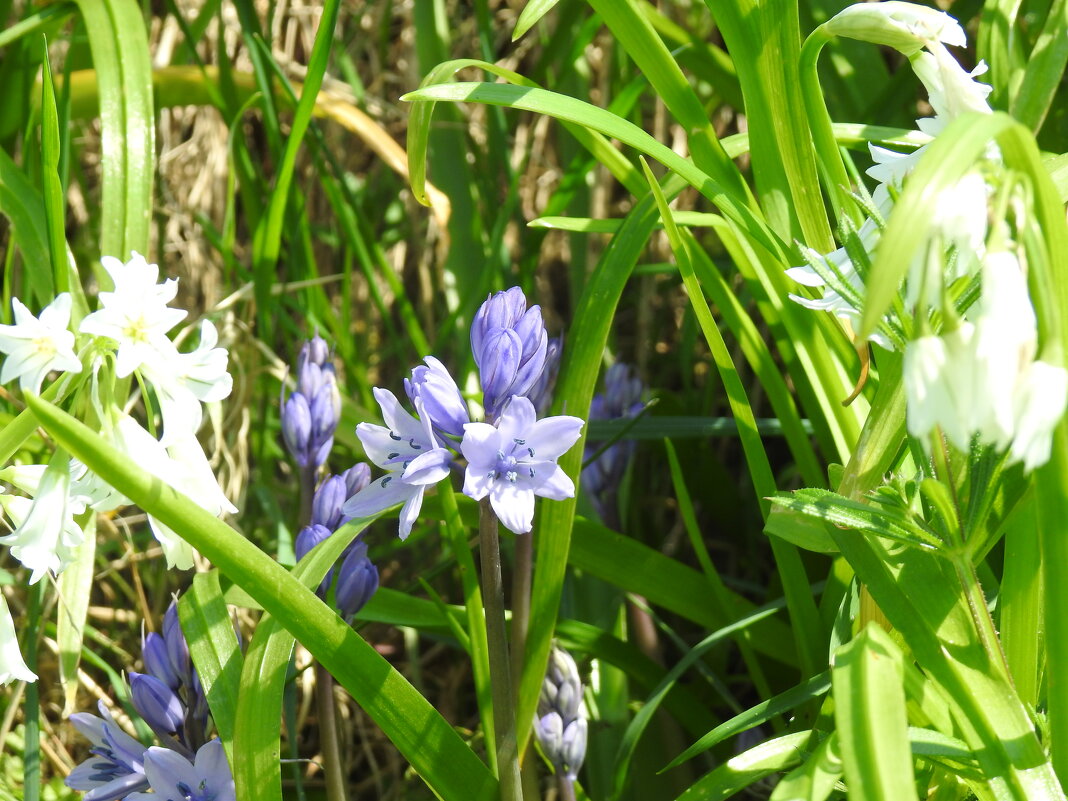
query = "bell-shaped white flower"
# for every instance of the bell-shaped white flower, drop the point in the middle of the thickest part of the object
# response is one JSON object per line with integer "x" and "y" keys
{"x": 135, "y": 314}
{"x": 37, "y": 345}
{"x": 906, "y": 27}
{"x": 46, "y": 536}
{"x": 1041, "y": 398}
{"x": 12, "y": 665}
{"x": 940, "y": 385}
{"x": 183, "y": 466}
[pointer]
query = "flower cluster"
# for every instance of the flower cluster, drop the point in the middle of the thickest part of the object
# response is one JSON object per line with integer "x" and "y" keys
{"x": 561, "y": 727}
{"x": 170, "y": 699}
{"x": 621, "y": 398}
{"x": 357, "y": 577}
{"x": 511, "y": 458}
{"x": 128, "y": 335}
{"x": 310, "y": 416}
{"x": 982, "y": 375}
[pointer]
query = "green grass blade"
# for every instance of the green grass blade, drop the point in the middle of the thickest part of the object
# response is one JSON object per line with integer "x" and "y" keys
{"x": 441, "y": 758}
{"x": 869, "y": 710}
{"x": 119, "y": 44}
{"x": 532, "y": 12}
{"x": 737, "y": 773}
{"x": 74, "y": 586}
{"x": 55, "y": 208}
{"x": 213, "y": 646}
{"x": 1044, "y": 69}
{"x": 1020, "y": 604}
{"x": 23, "y": 206}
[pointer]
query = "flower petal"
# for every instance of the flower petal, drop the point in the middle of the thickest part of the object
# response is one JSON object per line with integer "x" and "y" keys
{"x": 428, "y": 468}
{"x": 379, "y": 495}
{"x": 480, "y": 446}
{"x": 513, "y": 505}
{"x": 554, "y": 484}
{"x": 552, "y": 437}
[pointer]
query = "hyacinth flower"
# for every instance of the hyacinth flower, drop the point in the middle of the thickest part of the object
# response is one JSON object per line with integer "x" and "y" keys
{"x": 622, "y": 397}
{"x": 435, "y": 388}
{"x": 12, "y": 666}
{"x": 310, "y": 415}
{"x": 410, "y": 451}
{"x": 509, "y": 343}
{"x": 171, "y": 776}
{"x": 115, "y": 767}
{"x": 560, "y": 727}
{"x": 514, "y": 460}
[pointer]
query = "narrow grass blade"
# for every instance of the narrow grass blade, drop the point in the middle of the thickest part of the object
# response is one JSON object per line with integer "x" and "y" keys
{"x": 1044, "y": 69}
{"x": 74, "y": 586}
{"x": 737, "y": 773}
{"x": 55, "y": 208}
{"x": 532, "y": 12}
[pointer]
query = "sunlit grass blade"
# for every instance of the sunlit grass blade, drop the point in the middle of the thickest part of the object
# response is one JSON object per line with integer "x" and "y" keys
{"x": 119, "y": 45}
{"x": 422, "y": 735}
{"x": 737, "y": 773}
{"x": 1044, "y": 69}
{"x": 55, "y": 207}
{"x": 209, "y": 630}
{"x": 74, "y": 587}
{"x": 532, "y": 12}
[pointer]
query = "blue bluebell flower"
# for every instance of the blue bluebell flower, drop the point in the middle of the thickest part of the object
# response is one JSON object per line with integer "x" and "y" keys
{"x": 509, "y": 343}
{"x": 115, "y": 766}
{"x": 308, "y": 538}
{"x": 410, "y": 451}
{"x": 516, "y": 460}
{"x": 174, "y": 778}
{"x": 157, "y": 703}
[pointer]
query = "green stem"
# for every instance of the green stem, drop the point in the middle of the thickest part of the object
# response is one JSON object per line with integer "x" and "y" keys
{"x": 328, "y": 739}
{"x": 500, "y": 675}
{"x": 521, "y": 577}
{"x": 832, "y": 170}
{"x": 31, "y": 760}
{"x": 567, "y": 787}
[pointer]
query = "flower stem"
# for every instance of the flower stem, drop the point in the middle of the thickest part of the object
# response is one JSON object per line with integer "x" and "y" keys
{"x": 521, "y": 578}
{"x": 567, "y": 787}
{"x": 500, "y": 676}
{"x": 328, "y": 739}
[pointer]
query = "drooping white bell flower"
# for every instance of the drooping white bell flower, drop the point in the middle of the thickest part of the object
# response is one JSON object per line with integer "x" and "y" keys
{"x": 37, "y": 345}
{"x": 940, "y": 385}
{"x": 12, "y": 665}
{"x": 45, "y": 537}
{"x": 135, "y": 314}
{"x": 1041, "y": 398}
{"x": 183, "y": 466}
{"x": 906, "y": 27}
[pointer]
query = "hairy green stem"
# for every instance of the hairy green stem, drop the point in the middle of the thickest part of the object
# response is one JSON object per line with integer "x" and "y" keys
{"x": 500, "y": 669}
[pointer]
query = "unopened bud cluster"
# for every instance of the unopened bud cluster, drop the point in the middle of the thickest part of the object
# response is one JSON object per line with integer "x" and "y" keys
{"x": 561, "y": 726}
{"x": 311, "y": 414}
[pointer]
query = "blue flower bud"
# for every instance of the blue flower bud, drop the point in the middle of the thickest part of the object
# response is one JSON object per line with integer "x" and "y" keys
{"x": 509, "y": 344}
{"x": 177, "y": 648}
{"x": 162, "y": 710}
{"x": 561, "y": 727}
{"x": 308, "y": 538}
{"x": 356, "y": 478}
{"x": 297, "y": 427}
{"x": 157, "y": 662}
{"x": 327, "y": 503}
{"x": 435, "y": 387}
{"x": 315, "y": 351}
{"x": 357, "y": 581}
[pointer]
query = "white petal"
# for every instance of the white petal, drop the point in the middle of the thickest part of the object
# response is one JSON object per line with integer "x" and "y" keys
{"x": 480, "y": 446}
{"x": 555, "y": 485}
{"x": 477, "y": 483}
{"x": 12, "y": 665}
{"x": 379, "y": 495}
{"x": 410, "y": 513}
{"x": 552, "y": 437}
{"x": 513, "y": 506}
{"x": 516, "y": 419}
{"x": 400, "y": 421}
{"x": 428, "y": 468}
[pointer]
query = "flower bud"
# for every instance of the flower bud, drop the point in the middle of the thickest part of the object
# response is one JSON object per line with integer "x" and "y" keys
{"x": 297, "y": 427}
{"x": 157, "y": 663}
{"x": 177, "y": 648}
{"x": 156, "y": 703}
{"x": 434, "y": 386}
{"x": 356, "y": 478}
{"x": 541, "y": 393}
{"x": 509, "y": 344}
{"x": 561, "y": 727}
{"x": 308, "y": 538}
{"x": 327, "y": 503}
{"x": 906, "y": 27}
{"x": 357, "y": 581}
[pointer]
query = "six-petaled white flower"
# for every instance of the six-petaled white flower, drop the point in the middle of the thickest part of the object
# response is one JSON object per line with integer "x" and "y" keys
{"x": 516, "y": 460}
{"x": 135, "y": 314}
{"x": 37, "y": 345}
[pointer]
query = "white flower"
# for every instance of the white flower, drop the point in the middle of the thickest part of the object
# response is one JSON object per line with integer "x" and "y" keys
{"x": 940, "y": 385}
{"x": 904, "y": 26}
{"x": 183, "y": 466}
{"x": 1041, "y": 397}
{"x": 408, "y": 448}
{"x": 185, "y": 380}
{"x": 36, "y": 346}
{"x": 516, "y": 460}
{"x": 951, "y": 90}
{"x": 12, "y": 665}
{"x": 46, "y": 536}
{"x": 135, "y": 314}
